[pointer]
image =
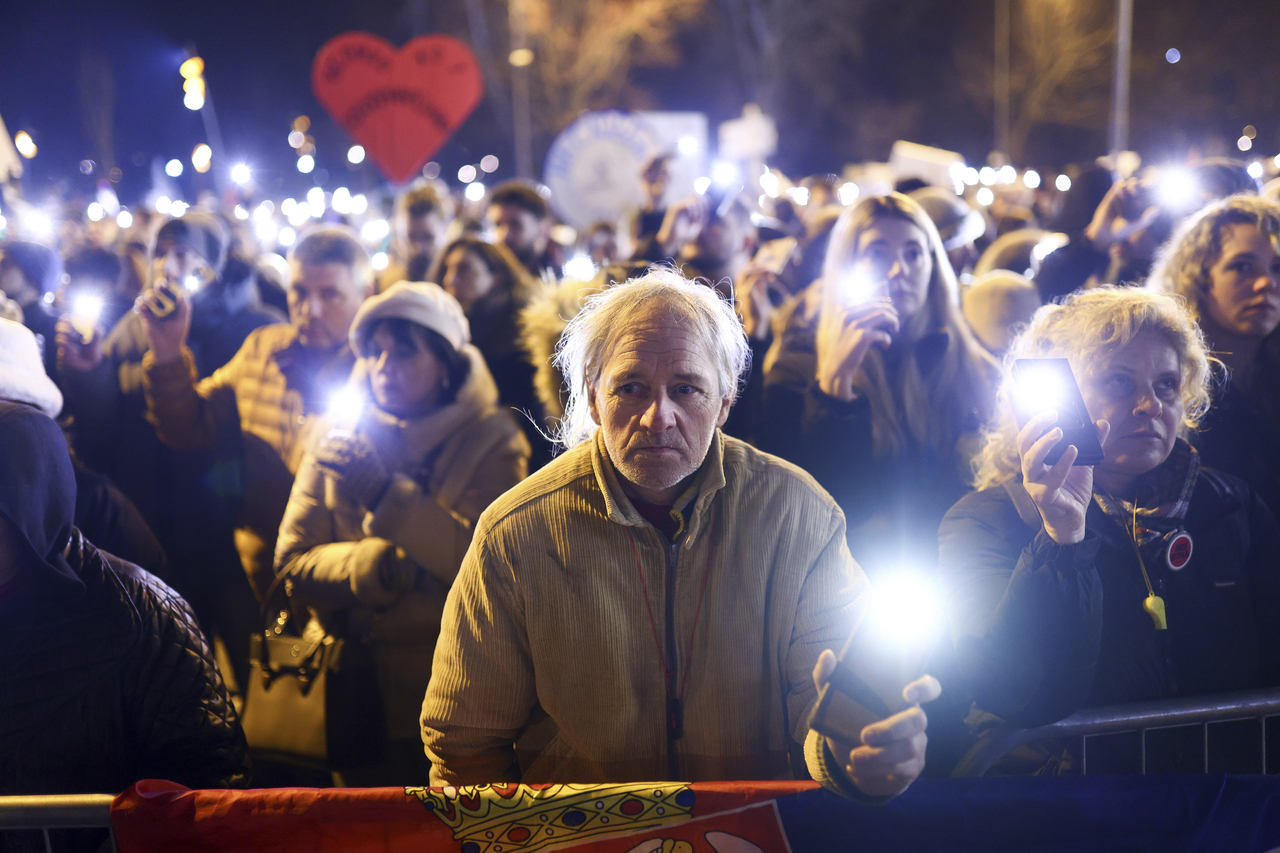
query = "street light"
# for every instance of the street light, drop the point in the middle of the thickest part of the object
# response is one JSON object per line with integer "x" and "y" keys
{"x": 192, "y": 67}
{"x": 201, "y": 157}
{"x": 192, "y": 71}
{"x": 173, "y": 168}
{"x": 193, "y": 82}
{"x": 355, "y": 154}
{"x": 25, "y": 144}
{"x": 241, "y": 174}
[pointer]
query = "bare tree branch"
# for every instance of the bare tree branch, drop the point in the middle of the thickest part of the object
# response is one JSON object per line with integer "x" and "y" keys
{"x": 586, "y": 49}
{"x": 1060, "y": 67}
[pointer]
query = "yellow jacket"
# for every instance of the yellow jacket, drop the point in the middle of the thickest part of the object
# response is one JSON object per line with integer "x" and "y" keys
{"x": 272, "y": 391}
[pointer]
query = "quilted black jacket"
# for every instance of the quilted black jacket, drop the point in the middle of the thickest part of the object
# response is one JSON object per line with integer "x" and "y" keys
{"x": 115, "y": 685}
{"x": 1043, "y": 629}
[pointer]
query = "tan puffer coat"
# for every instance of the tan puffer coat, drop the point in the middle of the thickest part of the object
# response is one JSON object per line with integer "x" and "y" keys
{"x": 448, "y": 467}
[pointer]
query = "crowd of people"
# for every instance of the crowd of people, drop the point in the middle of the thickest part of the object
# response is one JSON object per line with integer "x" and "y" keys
{"x": 613, "y": 527}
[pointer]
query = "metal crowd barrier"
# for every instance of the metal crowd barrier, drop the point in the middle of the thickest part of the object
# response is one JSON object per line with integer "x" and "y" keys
{"x": 1143, "y": 717}
{"x": 75, "y": 811}
{"x": 57, "y": 811}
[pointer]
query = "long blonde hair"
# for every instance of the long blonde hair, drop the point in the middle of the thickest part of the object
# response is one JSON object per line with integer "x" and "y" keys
{"x": 1086, "y": 329}
{"x": 923, "y": 408}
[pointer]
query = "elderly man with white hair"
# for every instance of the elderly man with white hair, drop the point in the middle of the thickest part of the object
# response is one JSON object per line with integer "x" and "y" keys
{"x": 659, "y": 601}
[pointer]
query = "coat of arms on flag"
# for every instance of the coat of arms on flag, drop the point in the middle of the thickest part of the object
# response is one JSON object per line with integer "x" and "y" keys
{"x": 529, "y": 818}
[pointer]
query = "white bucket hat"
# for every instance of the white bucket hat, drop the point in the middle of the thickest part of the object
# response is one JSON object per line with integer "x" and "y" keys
{"x": 421, "y": 302}
{"x": 22, "y": 376}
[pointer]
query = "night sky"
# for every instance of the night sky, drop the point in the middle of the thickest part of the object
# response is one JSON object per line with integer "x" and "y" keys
{"x": 259, "y": 53}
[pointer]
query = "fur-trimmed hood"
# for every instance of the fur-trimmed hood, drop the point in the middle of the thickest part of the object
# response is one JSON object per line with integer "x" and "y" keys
{"x": 542, "y": 322}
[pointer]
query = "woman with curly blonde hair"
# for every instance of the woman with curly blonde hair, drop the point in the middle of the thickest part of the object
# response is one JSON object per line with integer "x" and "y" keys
{"x": 1225, "y": 262}
{"x": 1143, "y": 577}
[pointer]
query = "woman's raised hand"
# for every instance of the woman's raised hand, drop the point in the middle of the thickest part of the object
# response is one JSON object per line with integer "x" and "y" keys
{"x": 1060, "y": 491}
{"x": 1110, "y": 224}
{"x": 844, "y": 336}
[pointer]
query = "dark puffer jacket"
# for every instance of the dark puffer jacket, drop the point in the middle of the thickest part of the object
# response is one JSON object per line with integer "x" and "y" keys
{"x": 1043, "y": 629}
{"x": 104, "y": 677}
{"x": 1238, "y": 435}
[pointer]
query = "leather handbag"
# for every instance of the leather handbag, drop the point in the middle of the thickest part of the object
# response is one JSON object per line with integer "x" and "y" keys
{"x": 312, "y": 702}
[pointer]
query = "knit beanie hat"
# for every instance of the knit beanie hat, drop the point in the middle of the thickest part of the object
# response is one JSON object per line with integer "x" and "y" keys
{"x": 41, "y": 265}
{"x": 957, "y": 222}
{"x": 200, "y": 232}
{"x": 419, "y": 302}
{"x": 22, "y": 376}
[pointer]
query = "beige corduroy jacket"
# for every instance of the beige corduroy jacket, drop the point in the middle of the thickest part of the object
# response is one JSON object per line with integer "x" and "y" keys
{"x": 548, "y": 666}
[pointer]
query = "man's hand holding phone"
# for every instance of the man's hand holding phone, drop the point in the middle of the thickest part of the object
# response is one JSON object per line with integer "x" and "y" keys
{"x": 891, "y": 751}
{"x": 166, "y": 314}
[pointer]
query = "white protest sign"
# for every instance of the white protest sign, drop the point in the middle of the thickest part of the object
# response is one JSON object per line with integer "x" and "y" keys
{"x": 593, "y": 166}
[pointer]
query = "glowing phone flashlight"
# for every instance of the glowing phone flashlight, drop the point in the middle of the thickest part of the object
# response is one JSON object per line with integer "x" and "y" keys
{"x": 1042, "y": 384}
{"x": 86, "y": 310}
{"x": 886, "y": 651}
{"x": 859, "y": 287}
{"x": 346, "y": 406}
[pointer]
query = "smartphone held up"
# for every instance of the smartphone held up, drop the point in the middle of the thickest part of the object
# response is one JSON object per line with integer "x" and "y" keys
{"x": 886, "y": 652}
{"x": 86, "y": 310}
{"x": 858, "y": 287}
{"x": 163, "y": 299}
{"x": 1045, "y": 384}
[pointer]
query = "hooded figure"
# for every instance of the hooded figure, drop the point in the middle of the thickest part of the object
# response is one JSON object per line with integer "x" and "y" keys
{"x": 29, "y": 273}
{"x": 103, "y": 513}
{"x": 104, "y": 677}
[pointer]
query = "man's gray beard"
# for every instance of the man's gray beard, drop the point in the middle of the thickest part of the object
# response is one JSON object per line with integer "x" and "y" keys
{"x": 647, "y": 478}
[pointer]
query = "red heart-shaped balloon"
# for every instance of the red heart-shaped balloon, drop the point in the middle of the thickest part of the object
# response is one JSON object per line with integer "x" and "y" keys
{"x": 401, "y": 105}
